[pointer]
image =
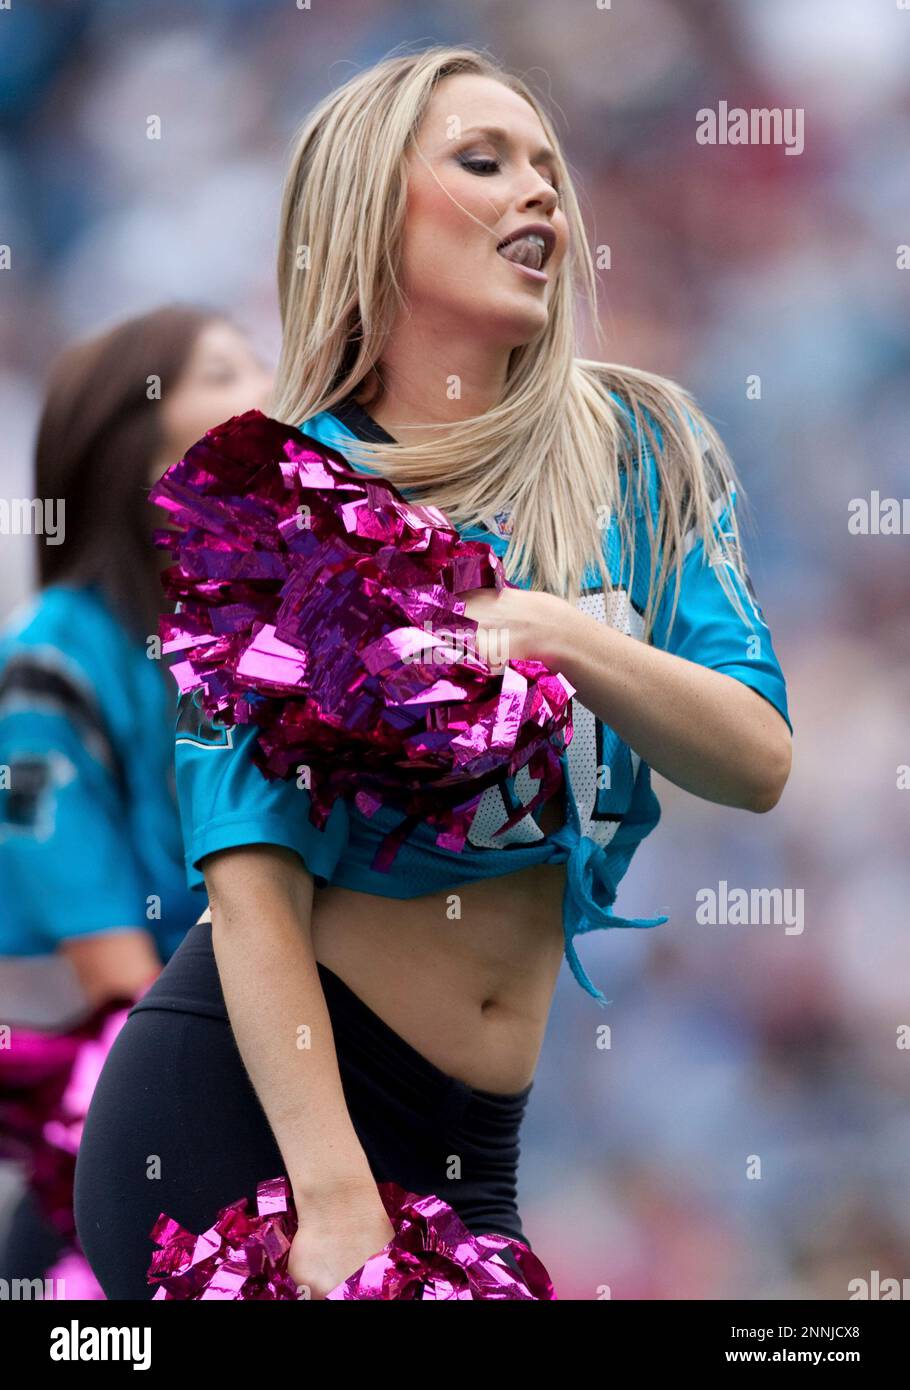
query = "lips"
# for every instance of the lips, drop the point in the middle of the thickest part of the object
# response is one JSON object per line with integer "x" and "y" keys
{"x": 531, "y": 245}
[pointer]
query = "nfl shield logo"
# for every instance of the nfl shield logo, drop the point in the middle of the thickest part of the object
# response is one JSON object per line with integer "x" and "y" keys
{"x": 500, "y": 523}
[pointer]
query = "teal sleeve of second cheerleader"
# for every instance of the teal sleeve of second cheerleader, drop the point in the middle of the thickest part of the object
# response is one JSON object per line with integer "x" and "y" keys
{"x": 66, "y": 867}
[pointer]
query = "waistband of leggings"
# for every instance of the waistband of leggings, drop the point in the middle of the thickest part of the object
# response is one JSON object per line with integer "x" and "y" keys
{"x": 364, "y": 1039}
{"x": 362, "y": 1030}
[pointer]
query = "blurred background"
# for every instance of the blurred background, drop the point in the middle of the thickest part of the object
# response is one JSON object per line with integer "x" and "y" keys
{"x": 727, "y": 263}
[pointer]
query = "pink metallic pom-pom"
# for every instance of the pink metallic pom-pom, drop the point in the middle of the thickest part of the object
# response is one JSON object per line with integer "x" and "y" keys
{"x": 319, "y": 604}
{"x": 73, "y": 1279}
{"x": 431, "y": 1256}
{"x": 46, "y": 1083}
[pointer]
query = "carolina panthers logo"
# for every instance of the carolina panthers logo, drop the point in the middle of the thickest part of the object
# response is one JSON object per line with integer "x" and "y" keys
{"x": 194, "y": 726}
{"x": 29, "y": 805}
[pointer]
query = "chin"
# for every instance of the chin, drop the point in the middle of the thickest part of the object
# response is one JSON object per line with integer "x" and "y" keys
{"x": 528, "y": 330}
{"x": 515, "y": 325}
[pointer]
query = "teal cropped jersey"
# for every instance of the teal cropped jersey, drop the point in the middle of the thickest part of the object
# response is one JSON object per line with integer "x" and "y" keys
{"x": 90, "y": 837}
{"x": 226, "y": 801}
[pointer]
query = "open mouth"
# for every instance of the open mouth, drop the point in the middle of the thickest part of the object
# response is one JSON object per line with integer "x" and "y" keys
{"x": 530, "y": 247}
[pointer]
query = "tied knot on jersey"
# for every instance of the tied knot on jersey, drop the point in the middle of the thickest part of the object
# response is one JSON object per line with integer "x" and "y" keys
{"x": 588, "y": 900}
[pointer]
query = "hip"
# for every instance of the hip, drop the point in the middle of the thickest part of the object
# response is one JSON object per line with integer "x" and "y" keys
{"x": 418, "y": 1126}
{"x": 199, "y": 1140}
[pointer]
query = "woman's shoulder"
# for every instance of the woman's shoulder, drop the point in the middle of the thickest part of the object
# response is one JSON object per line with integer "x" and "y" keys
{"x": 67, "y": 629}
{"x": 646, "y": 402}
{"x": 667, "y": 434}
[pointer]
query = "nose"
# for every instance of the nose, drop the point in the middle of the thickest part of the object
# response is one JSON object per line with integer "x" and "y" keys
{"x": 540, "y": 194}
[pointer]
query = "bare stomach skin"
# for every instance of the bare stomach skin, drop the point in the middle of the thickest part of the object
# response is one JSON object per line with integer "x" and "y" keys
{"x": 473, "y": 992}
{"x": 470, "y": 990}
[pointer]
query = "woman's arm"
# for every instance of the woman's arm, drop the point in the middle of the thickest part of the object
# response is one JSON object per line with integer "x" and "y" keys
{"x": 112, "y": 964}
{"x": 708, "y": 732}
{"x": 261, "y": 899}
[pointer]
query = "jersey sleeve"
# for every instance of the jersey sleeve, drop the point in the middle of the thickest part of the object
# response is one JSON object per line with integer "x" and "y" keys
{"x": 707, "y": 628}
{"x": 64, "y": 857}
{"x": 226, "y": 801}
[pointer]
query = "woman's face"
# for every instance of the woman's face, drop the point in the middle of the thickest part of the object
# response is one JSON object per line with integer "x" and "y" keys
{"x": 223, "y": 377}
{"x": 477, "y": 186}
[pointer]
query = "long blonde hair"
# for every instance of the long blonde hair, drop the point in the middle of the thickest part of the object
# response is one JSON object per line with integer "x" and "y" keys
{"x": 553, "y": 447}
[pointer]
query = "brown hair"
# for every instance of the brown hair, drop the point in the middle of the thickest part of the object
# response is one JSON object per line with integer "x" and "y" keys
{"x": 99, "y": 432}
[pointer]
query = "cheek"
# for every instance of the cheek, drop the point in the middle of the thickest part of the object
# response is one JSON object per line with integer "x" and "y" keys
{"x": 190, "y": 417}
{"x": 447, "y": 227}
{"x": 564, "y": 239}
{"x": 179, "y": 416}
{"x": 194, "y": 419}
{"x": 212, "y": 404}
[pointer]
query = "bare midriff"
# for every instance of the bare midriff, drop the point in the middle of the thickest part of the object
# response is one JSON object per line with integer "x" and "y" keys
{"x": 466, "y": 975}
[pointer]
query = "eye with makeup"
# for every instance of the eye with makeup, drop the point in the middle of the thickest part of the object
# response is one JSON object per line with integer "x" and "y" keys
{"x": 484, "y": 166}
{"x": 479, "y": 164}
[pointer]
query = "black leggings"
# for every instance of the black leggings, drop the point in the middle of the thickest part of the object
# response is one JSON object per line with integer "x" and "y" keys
{"x": 30, "y": 1244}
{"x": 175, "y": 1125}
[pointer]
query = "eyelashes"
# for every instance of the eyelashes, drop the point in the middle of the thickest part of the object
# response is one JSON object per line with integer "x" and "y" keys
{"x": 491, "y": 165}
{"x": 485, "y": 167}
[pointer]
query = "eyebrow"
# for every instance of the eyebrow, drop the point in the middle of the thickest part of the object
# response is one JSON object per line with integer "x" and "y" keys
{"x": 500, "y": 136}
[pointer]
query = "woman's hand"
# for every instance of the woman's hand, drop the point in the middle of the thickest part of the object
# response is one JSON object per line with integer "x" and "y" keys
{"x": 511, "y": 623}
{"x": 335, "y": 1238}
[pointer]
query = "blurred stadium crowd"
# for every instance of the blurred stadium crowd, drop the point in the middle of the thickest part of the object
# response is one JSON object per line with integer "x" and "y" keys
{"x": 727, "y": 1043}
